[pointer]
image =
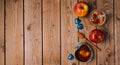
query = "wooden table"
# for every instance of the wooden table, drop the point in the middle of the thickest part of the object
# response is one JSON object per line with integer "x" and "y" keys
{"x": 42, "y": 32}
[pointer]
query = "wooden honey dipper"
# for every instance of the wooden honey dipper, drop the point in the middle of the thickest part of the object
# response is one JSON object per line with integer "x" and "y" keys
{"x": 82, "y": 36}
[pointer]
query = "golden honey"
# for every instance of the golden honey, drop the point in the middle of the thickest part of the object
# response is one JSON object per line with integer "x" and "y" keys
{"x": 83, "y": 53}
{"x": 97, "y": 17}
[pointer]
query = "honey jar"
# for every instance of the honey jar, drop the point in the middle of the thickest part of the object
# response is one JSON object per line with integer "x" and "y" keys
{"x": 84, "y": 52}
{"x": 97, "y": 18}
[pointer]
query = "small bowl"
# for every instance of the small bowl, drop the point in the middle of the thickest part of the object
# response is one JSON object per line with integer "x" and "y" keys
{"x": 84, "y": 52}
{"x": 97, "y": 18}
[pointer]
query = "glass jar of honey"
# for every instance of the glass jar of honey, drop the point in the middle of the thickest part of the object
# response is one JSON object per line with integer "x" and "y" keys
{"x": 97, "y": 18}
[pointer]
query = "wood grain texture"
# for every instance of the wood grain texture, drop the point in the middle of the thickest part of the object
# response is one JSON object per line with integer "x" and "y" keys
{"x": 43, "y": 32}
{"x": 88, "y": 28}
{"x": 106, "y": 56}
{"x": 14, "y": 32}
{"x": 117, "y": 31}
{"x": 69, "y": 38}
{"x": 33, "y": 32}
{"x": 1, "y": 32}
{"x": 51, "y": 32}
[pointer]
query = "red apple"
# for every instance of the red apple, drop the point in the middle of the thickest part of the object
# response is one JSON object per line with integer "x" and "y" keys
{"x": 96, "y": 36}
{"x": 81, "y": 9}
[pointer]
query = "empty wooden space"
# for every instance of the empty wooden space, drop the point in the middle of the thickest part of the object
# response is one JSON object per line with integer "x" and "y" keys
{"x": 43, "y": 32}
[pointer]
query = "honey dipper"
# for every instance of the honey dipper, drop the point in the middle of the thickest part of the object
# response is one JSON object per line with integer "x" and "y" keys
{"x": 82, "y": 36}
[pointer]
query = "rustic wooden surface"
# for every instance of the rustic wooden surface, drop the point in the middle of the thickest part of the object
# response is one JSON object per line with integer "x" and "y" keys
{"x": 42, "y": 32}
{"x": 32, "y": 32}
{"x": 117, "y": 31}
{"x": 68, "y": 31}
{"x": 14, "y": 32}
{"x": 51, "y": 32}
{"x": 1, "y": 32}
{"x": 107, "y": 53}
{"x": 87, "y": 28}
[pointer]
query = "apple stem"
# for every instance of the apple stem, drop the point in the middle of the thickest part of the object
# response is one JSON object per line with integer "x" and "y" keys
{"x": 82, "y": 7}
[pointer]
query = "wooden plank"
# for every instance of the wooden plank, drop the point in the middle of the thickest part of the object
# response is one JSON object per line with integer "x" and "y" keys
{"x": 1, "y": 32}
{"x": 51, "y": 32}
{"x": 14, "y": 32}
{"x": 117, "y": 31}
{"x": 106, "y": 56}
{"x": 69, "y": 38}
{"x": 88, "y": 28}
{"x": 33, "y": 32}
